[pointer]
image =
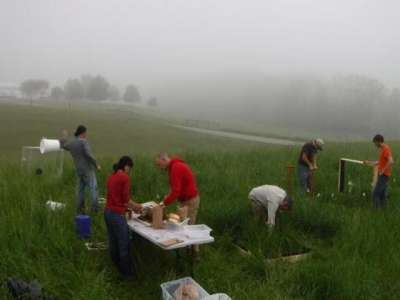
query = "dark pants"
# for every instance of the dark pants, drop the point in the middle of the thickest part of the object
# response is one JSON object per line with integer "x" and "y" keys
{"x": 379, "y": 195}
{"x": 304, "y": 178}
{"x": 87, "y": 180}
{"x": 118, "y": 241}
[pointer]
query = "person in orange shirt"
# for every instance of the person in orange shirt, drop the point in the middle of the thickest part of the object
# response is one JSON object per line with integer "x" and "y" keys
{"x": 384, "y": 164}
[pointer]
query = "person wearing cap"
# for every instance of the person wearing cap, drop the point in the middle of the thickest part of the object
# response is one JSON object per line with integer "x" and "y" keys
{"x": 384, "y": 163}
{"x": 267, "y": 200}
{"x": 307, "y": 163}
{"x": 85, "y": 164}
{"x": 183, "y": 186}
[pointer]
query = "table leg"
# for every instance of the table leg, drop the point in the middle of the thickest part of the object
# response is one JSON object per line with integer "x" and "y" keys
{"x": 189, "y": 259}
{"x": 178, "y": 261}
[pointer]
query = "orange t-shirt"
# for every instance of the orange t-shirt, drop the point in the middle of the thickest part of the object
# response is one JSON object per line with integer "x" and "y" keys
{"x": 383, "y": 159}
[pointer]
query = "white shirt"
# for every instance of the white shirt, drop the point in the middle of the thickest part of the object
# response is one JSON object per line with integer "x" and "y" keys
{"x": 270, "y": 196}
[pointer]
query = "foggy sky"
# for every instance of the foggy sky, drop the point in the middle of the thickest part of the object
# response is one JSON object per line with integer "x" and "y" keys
{"x": 145, "y": 42}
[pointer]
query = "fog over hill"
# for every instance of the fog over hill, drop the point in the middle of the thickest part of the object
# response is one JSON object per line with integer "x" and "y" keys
{"x": 261, "y": 60}
{"x": 336, "y": 102}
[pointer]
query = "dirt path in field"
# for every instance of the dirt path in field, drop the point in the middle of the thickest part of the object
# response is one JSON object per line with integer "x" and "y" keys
{"x": 246, "y": 137}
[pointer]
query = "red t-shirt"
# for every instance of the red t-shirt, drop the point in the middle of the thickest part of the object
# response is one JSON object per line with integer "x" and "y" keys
{"x": 118, "y": 185}
{"x": 383, "y": 159}
{"x": 181, "y": 178}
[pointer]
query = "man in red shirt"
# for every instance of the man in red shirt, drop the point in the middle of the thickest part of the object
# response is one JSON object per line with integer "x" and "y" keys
{"x": 384, "y": 170}
{"x": 183, "y": 186}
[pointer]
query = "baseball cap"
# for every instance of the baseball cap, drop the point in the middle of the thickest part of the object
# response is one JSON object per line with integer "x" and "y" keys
{"x": 320, "y": 144}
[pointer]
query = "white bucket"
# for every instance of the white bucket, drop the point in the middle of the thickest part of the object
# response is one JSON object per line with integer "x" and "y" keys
{"x": 49, "y": 145}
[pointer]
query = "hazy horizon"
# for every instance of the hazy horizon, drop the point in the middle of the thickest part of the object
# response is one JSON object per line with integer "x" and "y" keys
{"x": 147, "y": 43}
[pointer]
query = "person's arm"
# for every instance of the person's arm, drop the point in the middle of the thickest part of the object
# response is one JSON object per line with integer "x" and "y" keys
{"x": 305, "y": 159}
{"x": 176, "y": 185}
{"x": 272, "y": 208}
{"x": 88, "y": 153}
{"x": 388, "y": 164}
{"x": 126, "y": 196}
{"x": 63, "y": 139}
{"x": 370, "y": 163}
{"x": 135, "y": 206}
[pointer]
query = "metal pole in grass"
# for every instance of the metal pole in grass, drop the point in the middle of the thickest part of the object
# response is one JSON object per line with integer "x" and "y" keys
{"x": 312, "y": 184}
{"x": 289, "y": 169}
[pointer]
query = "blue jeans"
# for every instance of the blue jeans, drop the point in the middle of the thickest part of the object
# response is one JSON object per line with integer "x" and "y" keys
{"x": 118, "y": 241}
{"x": 379, "y": 195}
{"x": 304, "y": 177}
{"x": 87, "y": 180}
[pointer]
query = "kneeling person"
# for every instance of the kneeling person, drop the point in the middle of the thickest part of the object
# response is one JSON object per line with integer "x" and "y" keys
{"x": 267, "y": 200}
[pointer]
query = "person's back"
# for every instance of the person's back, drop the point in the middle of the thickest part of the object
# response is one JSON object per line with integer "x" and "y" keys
{"x": 309, "y": 150}
{"x": 81, "y": 154}
{"x": 182, "y": 179}
{"x": 266, "y": 200}
{"x": 118, "y": 184}
{"x": 384, "y": 156}
{"x": 268, "y": 193}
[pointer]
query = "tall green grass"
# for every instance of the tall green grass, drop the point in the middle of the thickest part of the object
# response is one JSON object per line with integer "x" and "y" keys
{"x": 353, "y": 246}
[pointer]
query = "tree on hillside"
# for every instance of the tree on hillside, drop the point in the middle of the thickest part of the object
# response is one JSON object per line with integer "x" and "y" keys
{"x": 29, "y": 88}
{"x": 131, "y": 94}
{"x": 113, "y": 93}
{"x": 57, "y": 92}
{"x": 152, "y": 102}
{"x": 73, "y": 89}
{"x": 43, "y": 85}
{"x": 98, "y": 89}
{"x": 86, "y": 81}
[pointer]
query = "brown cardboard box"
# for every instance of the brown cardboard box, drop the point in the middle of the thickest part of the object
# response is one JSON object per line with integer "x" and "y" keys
{"x": 158, "y": 217}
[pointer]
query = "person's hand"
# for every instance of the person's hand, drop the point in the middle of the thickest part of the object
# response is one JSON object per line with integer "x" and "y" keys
{"x": 369, "y": 163}
{"x": 98, "y": 168}
{"x": 136, "y": 207}
{"x": 315, "y": 167}
{"x": 64, "y": 133}
{"x": 162, "y": 203}
{"x": 311, "y": 168}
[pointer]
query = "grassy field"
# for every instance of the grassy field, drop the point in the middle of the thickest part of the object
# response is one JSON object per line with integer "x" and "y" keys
{"x": 353, "y": 247}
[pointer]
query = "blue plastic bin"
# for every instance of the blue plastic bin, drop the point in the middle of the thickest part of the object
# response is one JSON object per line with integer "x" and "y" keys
{"x": 82, "y": 223}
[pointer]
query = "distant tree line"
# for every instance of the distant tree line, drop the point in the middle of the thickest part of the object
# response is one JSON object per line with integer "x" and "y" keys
{"x": 350, "y": 103}
{"x": 94, "y": 88}
{"x": 336, "y": 104}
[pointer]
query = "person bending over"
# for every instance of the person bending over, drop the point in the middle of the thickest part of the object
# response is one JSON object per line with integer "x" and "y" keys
{"x": 266, "y": 201}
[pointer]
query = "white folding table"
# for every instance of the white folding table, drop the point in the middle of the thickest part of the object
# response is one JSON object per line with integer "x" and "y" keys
{"x": 157, "y": 236}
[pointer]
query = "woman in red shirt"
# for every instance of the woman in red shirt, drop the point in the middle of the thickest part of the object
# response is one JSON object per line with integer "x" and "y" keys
{"x": 118, "y": 199}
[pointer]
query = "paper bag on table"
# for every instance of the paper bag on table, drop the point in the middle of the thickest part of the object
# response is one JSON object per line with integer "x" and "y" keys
{"x": 158, "y": 217}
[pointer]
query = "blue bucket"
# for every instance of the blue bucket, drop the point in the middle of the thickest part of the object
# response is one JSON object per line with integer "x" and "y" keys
{"x": 82, "y": 223}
